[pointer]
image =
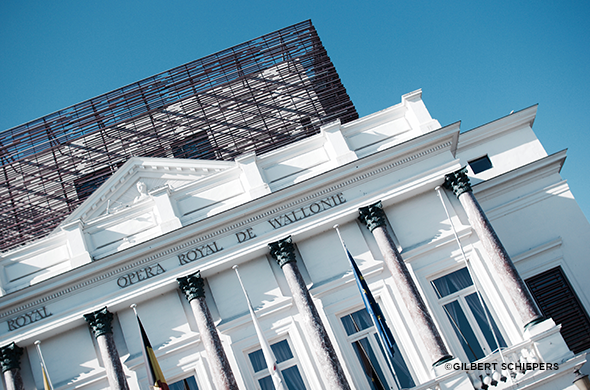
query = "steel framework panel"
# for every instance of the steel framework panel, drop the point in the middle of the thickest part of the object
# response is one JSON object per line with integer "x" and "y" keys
{"x": 256, "y": 96}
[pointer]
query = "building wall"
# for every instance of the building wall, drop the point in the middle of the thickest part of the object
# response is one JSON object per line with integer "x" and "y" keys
{"x": 209, "y": 216}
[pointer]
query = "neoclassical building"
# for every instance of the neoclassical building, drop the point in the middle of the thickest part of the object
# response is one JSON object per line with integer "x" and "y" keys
{"x": 471, "y": 242}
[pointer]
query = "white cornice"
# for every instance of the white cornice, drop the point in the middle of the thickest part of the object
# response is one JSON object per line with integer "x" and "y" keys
{"x": 545, "y": 247}
{"x": 493, "y": 129}
{"x": 531, "y": 172}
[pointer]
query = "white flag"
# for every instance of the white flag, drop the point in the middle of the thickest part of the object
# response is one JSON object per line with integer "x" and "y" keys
{"x": 269, "y": 356}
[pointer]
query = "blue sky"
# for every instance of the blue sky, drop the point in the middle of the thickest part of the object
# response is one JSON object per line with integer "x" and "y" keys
{"x": 475, "y": 61}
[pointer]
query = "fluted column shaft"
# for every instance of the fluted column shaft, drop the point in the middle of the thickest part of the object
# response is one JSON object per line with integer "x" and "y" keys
{"x": 498, "y": 259}
{"x": 193, "y": 288}
{"x": 374, "y": 218}
{"x": 284, "y": 252}
{"x": 10, "y": 361}
{"x": 100, "y": 322}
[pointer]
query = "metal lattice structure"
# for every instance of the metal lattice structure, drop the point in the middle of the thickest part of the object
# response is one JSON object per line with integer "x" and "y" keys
{"x": 256, "y": 96}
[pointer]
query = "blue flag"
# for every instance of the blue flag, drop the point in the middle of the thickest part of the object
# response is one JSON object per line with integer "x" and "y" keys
{"x": 372, "y": 306}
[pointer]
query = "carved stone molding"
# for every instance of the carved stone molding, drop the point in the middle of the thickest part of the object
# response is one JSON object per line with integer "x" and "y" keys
{"x": 192, "y": 285}
{"x": 458, "y": 182}
{"x": 283, "y": 251}
{"x": 10, "y": 357}
{"x": 372, "y": 216}
{"x": 100, "y": 321}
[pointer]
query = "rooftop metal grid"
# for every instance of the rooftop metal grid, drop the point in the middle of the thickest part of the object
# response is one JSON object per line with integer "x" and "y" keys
{"x": 257, "y": 96}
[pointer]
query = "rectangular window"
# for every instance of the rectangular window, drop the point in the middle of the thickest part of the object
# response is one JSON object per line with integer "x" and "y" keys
{"x": 557, "y": 299}
{"x": 480, "y": 164}
{"x": 185, "y": 384}
{"x": 287, "y": 365}
{"x": 460, "y": 301}
{"x": 371, "y": 356}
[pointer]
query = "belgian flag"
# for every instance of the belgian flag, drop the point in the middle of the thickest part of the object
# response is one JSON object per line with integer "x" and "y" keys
{"x": 46, "y": 383}
{"x": 155, "y": 377}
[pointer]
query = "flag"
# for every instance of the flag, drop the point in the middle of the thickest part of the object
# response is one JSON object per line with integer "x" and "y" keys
{"x": 155, "y": 377}
{"x": 371, "y": 305}
{"x": 269, "y": 356}
{"x": 46, "y": 381}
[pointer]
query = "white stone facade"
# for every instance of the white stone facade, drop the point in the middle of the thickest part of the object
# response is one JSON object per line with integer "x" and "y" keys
{"x": 127, "y": 246}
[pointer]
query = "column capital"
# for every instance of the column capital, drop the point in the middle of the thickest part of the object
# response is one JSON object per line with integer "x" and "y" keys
{"x": 192, "y": 285}
{"x": 283, "y": 251}
{"x": 10, "y": 357}
{"x": 458, "y": 182}
{"x": 372, "y": 216}
{"x": 100, "y": 321}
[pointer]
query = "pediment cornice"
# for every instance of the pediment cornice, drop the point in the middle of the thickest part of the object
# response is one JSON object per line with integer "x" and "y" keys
{"x": 120, "y": 190}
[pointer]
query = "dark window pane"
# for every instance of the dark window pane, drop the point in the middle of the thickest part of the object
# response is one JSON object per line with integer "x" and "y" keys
{"x": 186, "y": 384}
{"x": 400, "y": 369}
{"x": 453, "y": 282}
{"x": 293, "y": 378}
{"x": 371, "y": 368}
{"x": 357, "y": 321}
{"x": 475, "y": 306}
{"x": 282, "y": 351}
{"x": 464, "y": 331}
{"x": 257, "y": 360}
{"x": 266, "y": 383}
{"x": 480, "y": 164}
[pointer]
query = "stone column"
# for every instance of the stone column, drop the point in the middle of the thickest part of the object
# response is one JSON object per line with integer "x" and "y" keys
{"x": 100, "y": 323}
{"x": 194, "y": 290}
{"x": 374, "y": 218}
{"x": 283, "y": 252}
{"x": 498, "y": 259}
{"x": 10, "y": 361}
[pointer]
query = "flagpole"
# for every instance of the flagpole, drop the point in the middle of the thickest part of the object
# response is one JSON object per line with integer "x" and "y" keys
{"x": 43, "y": 366}
{"x": 156, "y": 379}
{"x": 269, "y": 356}
{"x": 146, "y": 362}
{"x": 365, "y": 294}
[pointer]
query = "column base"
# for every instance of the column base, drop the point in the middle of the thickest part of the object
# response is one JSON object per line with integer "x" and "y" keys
{"x": 548, "y": 341}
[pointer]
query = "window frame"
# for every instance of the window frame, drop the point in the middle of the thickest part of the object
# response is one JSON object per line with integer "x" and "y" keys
{"x": 291, "y": 362}
{"x": 184, "y": 378}
{"x": 370, "y": 333}
{"x": 477, "y": 161}
{"x": 459, "y": 297}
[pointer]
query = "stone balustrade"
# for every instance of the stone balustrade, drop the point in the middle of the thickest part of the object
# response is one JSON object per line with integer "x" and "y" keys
{"x": 519, "y": 364}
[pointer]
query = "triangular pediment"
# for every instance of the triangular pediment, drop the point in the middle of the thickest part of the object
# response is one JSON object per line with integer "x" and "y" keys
{"x": 123, "y": 188}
